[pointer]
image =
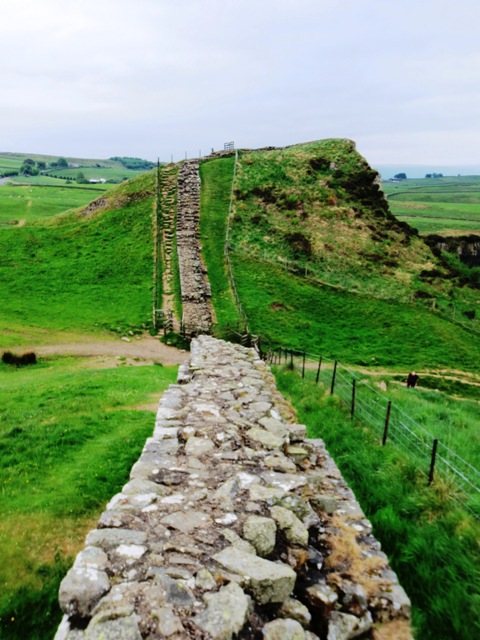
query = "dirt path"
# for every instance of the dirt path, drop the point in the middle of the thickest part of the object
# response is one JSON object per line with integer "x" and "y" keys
{"x": 145, "y": 350}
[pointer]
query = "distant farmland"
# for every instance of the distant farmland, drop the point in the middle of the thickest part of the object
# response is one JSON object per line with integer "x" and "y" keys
{"x": 449, "y": 206}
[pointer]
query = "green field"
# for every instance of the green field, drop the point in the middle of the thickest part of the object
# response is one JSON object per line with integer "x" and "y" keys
{"x": 69, "y": 435}
{"x": 71, "y": 274}
{"x": 33, "y": 203}
{"x": 449, "y": 206}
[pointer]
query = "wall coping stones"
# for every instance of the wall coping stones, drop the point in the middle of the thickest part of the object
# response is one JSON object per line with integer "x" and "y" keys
{"x": 232, "y": 524}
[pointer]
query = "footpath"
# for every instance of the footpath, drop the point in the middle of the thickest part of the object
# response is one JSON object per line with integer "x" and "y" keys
{"x": 233, "y": 524}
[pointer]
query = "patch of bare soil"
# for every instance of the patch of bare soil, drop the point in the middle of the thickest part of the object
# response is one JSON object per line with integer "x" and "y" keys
{"x": 140, "y": 351}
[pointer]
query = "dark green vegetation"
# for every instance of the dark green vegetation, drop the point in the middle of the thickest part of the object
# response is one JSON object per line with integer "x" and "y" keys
{"x": 448, "y": 206}
{"x": 79, "y": 272}
{"x": 432, "y": 546}
{"x": 69, "y": 435}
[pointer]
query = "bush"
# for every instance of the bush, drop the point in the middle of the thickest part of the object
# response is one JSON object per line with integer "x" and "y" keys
{"x": 27, "y": 358}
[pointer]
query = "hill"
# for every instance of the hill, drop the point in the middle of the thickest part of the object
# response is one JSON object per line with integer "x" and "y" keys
{"x": 319, "y": 263}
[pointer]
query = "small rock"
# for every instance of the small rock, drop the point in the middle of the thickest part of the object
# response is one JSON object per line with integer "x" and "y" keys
{"x": 294, "y": 530}
{"x": 294, "y": 609}
{"x": 168, "y": 622}
{"x": 283, "y": 630}
{"x": 205, "y": 581}
{"x": 343, "y": 626}
{"x": 226, "y": 613}
{"x": 265, "y": 438}
{"x": 118, "y": 629}
{"x": 261, "y": 533}
{"x": 325, "y": 503}
{"x": 81, "y": 589}
{"x": 268, "y": 581}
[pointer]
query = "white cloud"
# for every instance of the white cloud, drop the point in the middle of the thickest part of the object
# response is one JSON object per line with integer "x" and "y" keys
{"x": 160, "y": 76}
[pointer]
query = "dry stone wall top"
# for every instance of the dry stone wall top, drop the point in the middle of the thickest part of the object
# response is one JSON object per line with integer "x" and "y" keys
{"x": 195, "y": 288}
{"x": 233, "y": 525}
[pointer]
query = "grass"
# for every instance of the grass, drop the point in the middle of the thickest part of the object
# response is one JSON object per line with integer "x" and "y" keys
{"x": 79, "y": 274}
{"x": 69, "y": 435}
{"x": 448, "y": 206}
{"x": 431, "y": 545}
{"x": 34, "y": 203}
{"x": 216, "y": 177}
{"x": 291, "y": 311}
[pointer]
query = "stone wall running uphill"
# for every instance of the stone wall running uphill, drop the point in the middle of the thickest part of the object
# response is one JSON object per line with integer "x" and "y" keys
{"x": 233, "y": 524}
{"x": 194, "y": 285}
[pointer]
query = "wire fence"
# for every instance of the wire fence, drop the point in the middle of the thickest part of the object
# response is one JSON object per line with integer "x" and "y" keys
{"x": 390, "y": 424}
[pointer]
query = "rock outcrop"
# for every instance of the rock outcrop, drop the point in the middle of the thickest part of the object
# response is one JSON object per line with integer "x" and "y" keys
{"x": 233, "y": 524}
{"x": 194, "y": 285}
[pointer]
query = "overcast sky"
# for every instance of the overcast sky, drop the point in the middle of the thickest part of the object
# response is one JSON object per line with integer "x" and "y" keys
{"x": 152, "y": 78}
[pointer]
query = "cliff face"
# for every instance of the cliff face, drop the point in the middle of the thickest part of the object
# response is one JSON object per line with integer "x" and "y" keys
{"x": 466, "y": 248}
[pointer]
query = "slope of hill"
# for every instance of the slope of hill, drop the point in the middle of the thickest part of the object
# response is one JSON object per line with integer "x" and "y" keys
{"x": 80, "y": 271}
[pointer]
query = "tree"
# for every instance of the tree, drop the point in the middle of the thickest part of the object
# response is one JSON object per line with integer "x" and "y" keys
{"x": 62, "y": 163}
{"x": 400, "y": 176}
{"x": 41, "y": 165}
{"x": 81, "y": 178}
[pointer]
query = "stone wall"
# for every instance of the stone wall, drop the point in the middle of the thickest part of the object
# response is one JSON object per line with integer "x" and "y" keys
{"x": 195, "y": 288}
{"x": 233, "y": 524}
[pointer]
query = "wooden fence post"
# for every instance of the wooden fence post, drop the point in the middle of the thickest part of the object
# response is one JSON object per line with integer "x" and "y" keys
{"x": 352, "y": 410}
{"x": 291, "y": 358}
{"x": 332, "y": 388}
{"x": 432, "y": 462}
{"x": 318, "y": 370}
{"x": 303, "y": 365}
{"x": 387, "y": 421}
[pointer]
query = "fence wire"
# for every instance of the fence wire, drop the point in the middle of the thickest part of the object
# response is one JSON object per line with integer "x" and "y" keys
{"x": 390, "y": 423}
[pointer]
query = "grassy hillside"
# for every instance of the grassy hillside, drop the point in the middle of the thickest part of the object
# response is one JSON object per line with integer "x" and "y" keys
{"x": 432, "y": 545}
{"x": 83, "y": 271}
{"x": 69, "y": 435}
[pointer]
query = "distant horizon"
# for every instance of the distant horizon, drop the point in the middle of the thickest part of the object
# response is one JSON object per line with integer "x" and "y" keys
{"x": 388, "y": 170}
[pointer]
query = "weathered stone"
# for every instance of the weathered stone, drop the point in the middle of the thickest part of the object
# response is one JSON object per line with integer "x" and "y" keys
{"x": 294, "y": 530}
{"x": 343, "y": 626}
{"x": 268, "y": 581}
{"x": 81, "y": 589}
{"x": 118, "y": 629}
{"x": 283, "y": 630}
{"x": 226, "y": 613}
{"x": 294, "y": 609}
{"x": 261, "y": 533}
{"x": 198, "y": 446}
{"x": 168, "y": 622}
{"x": 265, "y": 438}
{"x": 177, "y": 593}
{"x": 186, "y": 522}
{"x": 91, "y": 558}
{"x": 325, "y": 503}
{"x": 198, "y": 482}
{"x": 239, "y": 543}
{"x": 280, "y": 463}
{"x": 322, "y": 595}
{"x": 297, "y": 432}
{"x": 205, "y": 581}
{"x": 110, "y": 538}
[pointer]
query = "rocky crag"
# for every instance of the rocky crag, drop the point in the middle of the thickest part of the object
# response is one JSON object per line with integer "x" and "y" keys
{"x": 195, "y": 288}
{"x": 233, "y": 524}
